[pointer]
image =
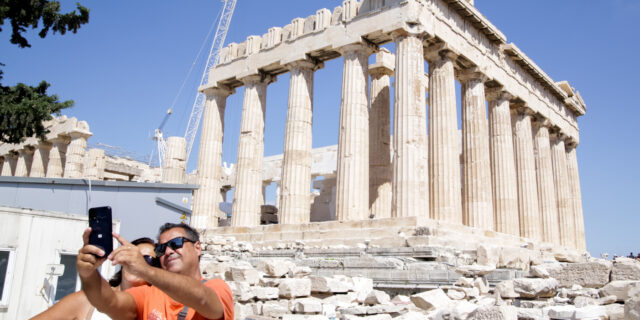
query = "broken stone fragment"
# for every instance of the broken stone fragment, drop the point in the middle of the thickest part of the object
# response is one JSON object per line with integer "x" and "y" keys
{"x": 276, "y": 269}
{"x": 625, "y": 269}
{"x": 535, "y": 288}
{"x": 593, "y": 274}
{"x": 307, "y": 305}
{"x": 432, "y": 299}
{"x": 495, "y": 313}
{"x": 265, "y": 293}
{"x": 506, "y": 290}
{"x": 377, "y": 297}
{"x": 561, "y": 312}
{"x": 620, "y": 289}
{"x": 244, "y": 274}
{"x": 293, "y": 288}
{"x": 475, "y": 270}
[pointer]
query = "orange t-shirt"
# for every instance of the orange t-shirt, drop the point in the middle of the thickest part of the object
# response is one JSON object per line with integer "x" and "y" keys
{"x": 153, "y": 304}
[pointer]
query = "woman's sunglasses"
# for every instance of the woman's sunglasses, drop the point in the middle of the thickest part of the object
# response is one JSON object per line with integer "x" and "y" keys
{"x": 150, "y": 260}
{"x": 174, "y": 244}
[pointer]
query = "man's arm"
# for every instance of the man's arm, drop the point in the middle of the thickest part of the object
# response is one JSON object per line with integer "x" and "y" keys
{"x": 116, "y": 304}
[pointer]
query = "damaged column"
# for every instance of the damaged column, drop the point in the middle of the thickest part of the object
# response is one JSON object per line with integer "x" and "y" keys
{"x": 9, "y": 166}
{"x": 207, "y": 198}
{"x": 563, "y": 192}
{"x": 175, "y": 164}
{"x": 25, "y": 159}
{"x": 410, "y": 161}
{"x": 352, "y": 191}
{"x": 380, "y": 136}
{"x": 95, "y": 164}
{"x": 546, "y": 189}
{"x": 40, "y": 160}
{"x": 248, "y": 187}
{"x": 55, "y": 166}
{"x": 295, "y": 187}
{"x": 74, "y": 164}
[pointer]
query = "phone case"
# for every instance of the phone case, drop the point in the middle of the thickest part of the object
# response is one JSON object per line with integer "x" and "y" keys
{"x": 100, "y": 223}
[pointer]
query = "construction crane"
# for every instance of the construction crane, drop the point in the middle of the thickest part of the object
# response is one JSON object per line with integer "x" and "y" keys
{"x": 214, "y": 59}
{"x": 157, "y": 136}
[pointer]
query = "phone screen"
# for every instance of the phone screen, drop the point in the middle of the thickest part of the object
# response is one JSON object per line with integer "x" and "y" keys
{"x": 100, "y": 223}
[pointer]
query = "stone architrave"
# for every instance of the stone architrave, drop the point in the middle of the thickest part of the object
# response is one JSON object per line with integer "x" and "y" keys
{"x": 95, "y": 165}
{"x": 576, "y": 194}
{"x": 352, "y": 190}
{"x": 379, "y": 136}
{"x": 25, "y": 159}
{"x": 207, "y": 198}
{"x": 295, "y": 185}
{"x": 546, "y": 188}
{"x": 444, "y": 143}
{"x": 410, "y": 143}
{"x": 9, "y": 167}
{"x": 530, "y": 222}
{"x": 563, "y": 191}
{"x": 477, "y": 207}
{"x": 40, "y": 160}
{"x": 175, "y": 160}
{"x": 55, "y": 167}
{"x": 503, "y": 170}
{"x": 248, "y": 187}
{"x": 74, "y": 164}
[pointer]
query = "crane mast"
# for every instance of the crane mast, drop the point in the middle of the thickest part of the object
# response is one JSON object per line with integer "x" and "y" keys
{"x": 214, "y": 59}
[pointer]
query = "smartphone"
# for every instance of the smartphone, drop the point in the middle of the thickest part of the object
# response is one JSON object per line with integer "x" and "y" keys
{"x": 100, "y": 223}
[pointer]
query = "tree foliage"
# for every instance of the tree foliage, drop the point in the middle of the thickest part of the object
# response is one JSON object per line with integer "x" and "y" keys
{"x": 23, "y": 14}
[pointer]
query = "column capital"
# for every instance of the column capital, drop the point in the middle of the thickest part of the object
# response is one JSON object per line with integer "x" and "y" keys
{"x": 440, "y": 51}
{"x": 259, "y": 77}
{"x": 409, "y": 31}
{"x": 541, "y": 121}
{"x": 306, "y": 63}
{"x": 384, "y": 64}
{"x": 80, "y": 134}
{"x": 474, "y": 73}
{"x": 220, "y": 90}
{"x": 26, "y": 150}
{"x": 522, "y": 108}
{"x": 556, "y": 133}
{"x": 571, "y": 143}
{"x": 45, "y": 145}
{"x": 497, "y": 93}
{"x": 365, "y": 47}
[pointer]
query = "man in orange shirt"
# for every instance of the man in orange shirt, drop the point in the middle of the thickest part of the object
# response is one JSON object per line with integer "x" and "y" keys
{"x": 177, "y": 290}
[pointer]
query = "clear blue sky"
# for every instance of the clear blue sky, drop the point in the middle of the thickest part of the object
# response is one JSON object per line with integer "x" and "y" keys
{"x": 125, "y": 67}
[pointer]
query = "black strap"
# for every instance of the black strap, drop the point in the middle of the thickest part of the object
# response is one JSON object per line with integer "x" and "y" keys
{"x": 183, "y": 314}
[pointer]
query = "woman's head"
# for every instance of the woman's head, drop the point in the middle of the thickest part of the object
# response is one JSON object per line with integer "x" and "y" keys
{"x": 126, "y": 280}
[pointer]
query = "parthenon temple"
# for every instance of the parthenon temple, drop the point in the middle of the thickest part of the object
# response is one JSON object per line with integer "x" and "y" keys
{"x": 511, "y": 168}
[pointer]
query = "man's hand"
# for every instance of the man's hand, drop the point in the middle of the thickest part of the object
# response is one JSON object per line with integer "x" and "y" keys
{"x": 129, "y": 257}
{"x": 88, "y": 261}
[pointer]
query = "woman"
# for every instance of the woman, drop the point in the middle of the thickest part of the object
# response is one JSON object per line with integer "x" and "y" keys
{"x": 76, "y": 306}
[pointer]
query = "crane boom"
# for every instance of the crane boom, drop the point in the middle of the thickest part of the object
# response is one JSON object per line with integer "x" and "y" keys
{"x": 214, "y": 59}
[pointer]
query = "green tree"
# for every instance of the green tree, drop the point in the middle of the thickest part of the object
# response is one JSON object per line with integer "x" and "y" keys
{"x": 23, "y": 108}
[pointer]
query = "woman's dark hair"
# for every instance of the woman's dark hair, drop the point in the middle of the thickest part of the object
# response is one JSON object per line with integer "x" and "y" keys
{"x": 117, "y": 277}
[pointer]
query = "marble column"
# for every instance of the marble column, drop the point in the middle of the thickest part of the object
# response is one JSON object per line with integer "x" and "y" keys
{"x": 40, "y": 160}
{"x": 576, "y": 195}
{"x": 546, "y": 188}
{"x": 295, "y": 186}
{"x": 248, "y": 187}
{"x": 380, "y": 135}
{"x": 2, "y": 164}
{"x": 563, "y": 192}
{"x": 410, "y": 186}
{"x": 503, "y": 170}
{"x": 530, "y": 218}
{"x": 444, "y": 141}
{"x": 352, "y": 190}
{"x": 74, "y": 164}
{"x": 477, "y": 207}
{"x": 25, "y": 159}
{"x": 206, "y": 199}
{"x": 55, "y": 167}
{"x": 95, "y": 164}
{"x": 9, "y": 167}
{"x": 175, "y": 161}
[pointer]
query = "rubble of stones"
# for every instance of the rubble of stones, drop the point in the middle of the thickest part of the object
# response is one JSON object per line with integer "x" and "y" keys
{"x": 280, "y": 289}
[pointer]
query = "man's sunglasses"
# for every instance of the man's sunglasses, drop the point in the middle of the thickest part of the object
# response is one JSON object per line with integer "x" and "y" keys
{"x": 174, "y": 244}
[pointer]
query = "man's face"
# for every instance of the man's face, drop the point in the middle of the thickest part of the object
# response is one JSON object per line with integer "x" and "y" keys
{"x": 182, "y": 260}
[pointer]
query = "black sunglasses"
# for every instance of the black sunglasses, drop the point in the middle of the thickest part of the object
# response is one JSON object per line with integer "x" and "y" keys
{"x": 174, "y": 244}
{"x": 150, "y": 260}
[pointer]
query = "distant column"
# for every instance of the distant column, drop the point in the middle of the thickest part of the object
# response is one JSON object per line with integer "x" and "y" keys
{"x": 248, "y": 187}
{"x": 410, "y": 196}
{"x": 352, "y": 191}
{"x": 9, "y": 167}
{"x": 380, "y": 135}
{"x": 55, "y": 167}
{"x": 95, "y": 164}
{"x": 2, "y": 164}
{"x": 563, "y": 192}
{"x": 444, "y": 141}
{"x": 576, "y": 194}
{"x": 40, "y": 160}
{"x": 295, "y": 186}
{"x": 207, "y": 198}
{"x": 476, "y": 160}
{"x": 74, "y": 164}
{"x": 503, "y": 170}
{"x": 530, "y": 219}
{"x": 175, "y": 160}
{"x": 546, "y": 188}
{"x": 25, "y": 159}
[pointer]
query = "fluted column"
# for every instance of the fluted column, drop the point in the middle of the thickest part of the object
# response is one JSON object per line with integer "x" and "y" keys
{"x": 563, "y": 192}
{"x": 530, "y": 219}
{"x": 444, "y": 142}
{"x": 352, "y": 190}
{"x": 546, "y": 188}
{"x": 295, "y": 186}
{"x": 248, "y": 187}
{"x": 477, "y": 204}
{"x": 576, "y": 195}
{"x": 2, "y": 162}
{"x": 410, "y": 196}
{"x": 74, "y": 164}
{"x": 207, "y": 198}
{"x": 40, "y": 160}
{"x": 25, "y": 159}
{"x": 9, "y": 167}
{"x": 380, "y": 136}
{"x": 55, "y": 167}
{"x": 503, "y": 170}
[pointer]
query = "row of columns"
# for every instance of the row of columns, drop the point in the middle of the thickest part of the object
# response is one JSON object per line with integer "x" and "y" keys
{"x": 518, "y": 176}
